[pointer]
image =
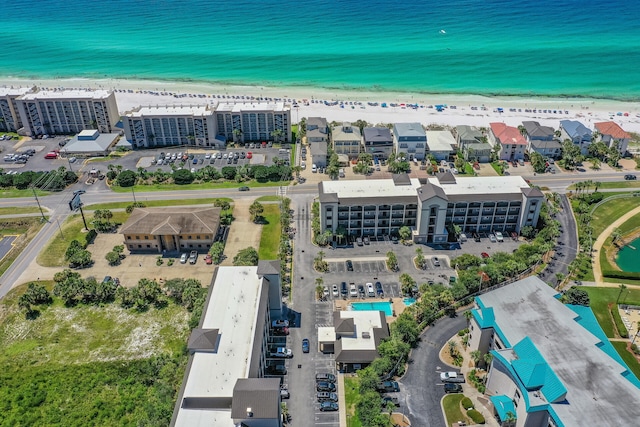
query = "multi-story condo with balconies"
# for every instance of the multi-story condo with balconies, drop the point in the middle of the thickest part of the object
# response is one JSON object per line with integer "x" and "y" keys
{"x": 68, "y": 111}
{"x": 346, "y": 139}
{"x": 10, "y": 120}
{"x": 162, "y": 126}
{"x": 410, "y": 139}
{"x": 429, "y": 207}
{"x": 254, "y": 121}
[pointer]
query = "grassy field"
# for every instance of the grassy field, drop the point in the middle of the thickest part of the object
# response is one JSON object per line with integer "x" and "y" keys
{"x": 352, "y": 397}
{"x": 451, "y": 403}
{"x": 200, "y": 186}
{"x": 629, "y": 359}
{"x": 27, "y": 228}
{"x": 601, "y": 298}
{"x": 12, "y": 192}
{"x": 53, "y": 254}
{"x": 268, "y": 199}
{"x": 90, "y": 365}
{"x": 608, "y": 212}
{"x": 153, "y": 203}
{"x": 19, "y": 210}
{"x": 270, "y": 238}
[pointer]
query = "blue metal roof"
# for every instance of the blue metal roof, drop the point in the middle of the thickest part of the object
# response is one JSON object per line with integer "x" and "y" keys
{"x": 503, "y": 405}
{"x": 575, "y": 129}
{"x": 535, "y": 372}
{"x": 486, "y": 318}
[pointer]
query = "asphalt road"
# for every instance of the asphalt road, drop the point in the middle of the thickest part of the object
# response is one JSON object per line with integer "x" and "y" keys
{"x": 420, "y": 388}
{"x": 5, "y": 245}
{"x": 566, "y": 249}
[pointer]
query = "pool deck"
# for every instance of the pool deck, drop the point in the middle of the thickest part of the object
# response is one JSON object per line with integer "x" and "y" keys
{"x": 397, "y": 305}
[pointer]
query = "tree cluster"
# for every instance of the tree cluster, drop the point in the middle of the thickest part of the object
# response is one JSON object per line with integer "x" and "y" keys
{"x": 246, "y": 256}
{"x": 73, "y": 289}
{"x": 35, "y": 295}
{"x": 102, "y": 220}
{"x": 398, "y": 163}
{"x": 77, "y": 255}
{"x": 54, "y": 180}
{"x": 115, "y": 255}
{"x": 576, "y": 296}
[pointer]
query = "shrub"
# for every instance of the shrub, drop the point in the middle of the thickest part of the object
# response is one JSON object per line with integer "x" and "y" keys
{"x": 90, "y": 237}
{"x": 475, "y": 416}
{"x": 182, "y": 177}
{"x": 621, "y": 274}
{"x": 622, "y": 329}
{"x": 126, "y": 178}
{"x": 467, "y": 403}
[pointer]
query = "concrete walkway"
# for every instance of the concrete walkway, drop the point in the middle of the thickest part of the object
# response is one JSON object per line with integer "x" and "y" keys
{"x": 597, "y": 246}
{"x": 342, "y": 402}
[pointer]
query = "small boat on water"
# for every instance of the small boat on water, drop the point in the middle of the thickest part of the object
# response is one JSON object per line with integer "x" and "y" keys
{"x": 443, "y": 32}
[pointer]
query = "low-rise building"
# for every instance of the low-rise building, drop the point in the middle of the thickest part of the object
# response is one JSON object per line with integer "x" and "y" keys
{"x": 552, "y": 364}
{"x": 67, "y": 111}
{"x": 541, "y": 140}
{"x": 613, "y": 136}
{"x": 429, "y": 206}
{"x": 410, "y": 139}
{"x": 171, "y": 229}
{"x": 468, "y": 135}
{"x": 440, "y": 144}
{"x": 354, "y": 338}
{"x": 378, "y": 142}
{"x": 473, "y": 144}
{"x": 318, "y": 140}
{"x": 477, "y": 152}
{"x": 165, "y": 126}
{"x": 90, "y": 143}
{"x": 507, "y": 141}
{"x": 551, "y": 149}
{"x": 224, "y": 383}
{"x": 254, "y": 121}
{"x": 578, "y": 133}
{"x": 346, "y": 139}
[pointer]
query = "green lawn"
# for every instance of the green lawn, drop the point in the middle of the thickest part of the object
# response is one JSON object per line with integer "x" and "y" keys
{"x": 613, "y": 184}
{"x": 19, "y": 210}
{"x": 90, "y": 365}
{"x": 352, "y": 397}
{"x": 608, "y": 212}
{"x": 27, "y": 228}
{"x": 629, "y": 359}
{"x": 12, "y": 192}
{"x": 152, "y": 203}
{"x": 601, "y": 298}
{"x": 53, "y": 254}
{"x": 200, "y": 186}
{"x": 271, "y": 231}
{"x": 451, "y": 403}
{"x": 268, "y": 199}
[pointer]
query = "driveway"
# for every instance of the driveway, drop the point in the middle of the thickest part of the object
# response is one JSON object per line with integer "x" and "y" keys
{"x": 6, "y": 243}
{"x": 420, "y": 388}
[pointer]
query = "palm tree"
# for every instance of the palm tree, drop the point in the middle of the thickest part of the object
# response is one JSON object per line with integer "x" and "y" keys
{"x": 468, "y": 315}
{"x": 237, "y": 134}
{"x": 615, "y": 235}
{"x": 476, "y": 357}
{"x": 596, "y": 185}
{"x": 277, "y": 134}
{"x": 319, "y": 287}
{"x": 488, "y": 358}
{"x": 622, "y": 287}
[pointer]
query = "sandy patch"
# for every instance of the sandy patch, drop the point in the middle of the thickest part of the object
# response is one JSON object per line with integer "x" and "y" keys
{"x": 243, "y": 232}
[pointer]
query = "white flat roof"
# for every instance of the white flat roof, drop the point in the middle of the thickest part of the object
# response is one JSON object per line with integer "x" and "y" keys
{"x": 440, "y": 140}
{"x": 232, "y": 310}
{"x": 365, "y": 321}
{"x": 370, "y": 188}
{"x": 171, "y": 110}
{"x": 241, "y": 107}
{"x": 14, "y": 91}
{"x": 68, "y": 93}
{"x": 326, "y": 334}
{"x": 483, "y": 185}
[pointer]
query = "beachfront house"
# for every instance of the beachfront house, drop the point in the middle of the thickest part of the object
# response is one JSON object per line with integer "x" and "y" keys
{"x": 378, "y": 142}
{"x": 346, "y": 139}
{"x": 318, "y": 140}
{"x": 472, "y": 143}
{"x": 410, "y": 139}
{"x": 577, "y": 133}
{"x": 613, "y": 136}
{"x": 541, "y": 140}
{"x": 440, "y": 144}
{"x": 243, "y": 122}
{"x": 507, "y": 141}
{"x": 171, "y": 125}
{"x": 477, "y": 152}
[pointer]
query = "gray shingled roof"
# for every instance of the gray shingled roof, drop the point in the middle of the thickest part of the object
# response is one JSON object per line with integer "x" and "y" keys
{"x": 326, "y": 197}
{"x": 428, "y": 190}
{"x": 401, "y": 179}
{"x": 446, "y": 178}
{"x": 203, "y": 340}
{"x": 377, "y": 134}
{"x": 536, "y": 131}
{"x": 262, "y": 395}
{"x": 532, "y": 192}
{"x": 268, "y": 267}
{"x": 173, "y": 221}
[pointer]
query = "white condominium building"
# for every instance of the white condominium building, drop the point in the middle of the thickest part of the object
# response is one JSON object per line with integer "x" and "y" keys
{"x": 161, "y": 126}
{"x": 254, "y": 121}
{"x": 10, "y": 120}
{"x": 429, "y": 207}
{"x": 68, "y": 111}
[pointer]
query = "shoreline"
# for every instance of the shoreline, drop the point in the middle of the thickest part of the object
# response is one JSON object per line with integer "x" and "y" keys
{"x": 462, "y": 109}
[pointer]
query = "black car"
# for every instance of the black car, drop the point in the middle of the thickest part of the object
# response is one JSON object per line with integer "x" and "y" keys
{"x": 476, "y": 237}
{"x": 343, "y": 289}
{"x": 630, "y": 177}
{"x": 243, "y": 189}
{"x": 452, "y": 388}
{"x": 276, "y": 370}
{"x": 361, "y": 289}
{"x": 379, "y": 289}
{"x": 325, "y": 386}
{"x": 349, "y": 264}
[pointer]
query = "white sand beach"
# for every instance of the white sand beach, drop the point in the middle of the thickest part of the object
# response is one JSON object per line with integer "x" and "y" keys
{"x": 460, "y": 109}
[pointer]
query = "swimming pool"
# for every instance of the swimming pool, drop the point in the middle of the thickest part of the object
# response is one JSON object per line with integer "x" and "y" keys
{"x": 377, "y": 306}
{"x": 408, "y": 301}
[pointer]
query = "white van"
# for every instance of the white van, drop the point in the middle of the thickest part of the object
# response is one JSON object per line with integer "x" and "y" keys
{"x": 303, "y": 165}
{"x": 341, "y": 173}
{"x": 314, "y": 168}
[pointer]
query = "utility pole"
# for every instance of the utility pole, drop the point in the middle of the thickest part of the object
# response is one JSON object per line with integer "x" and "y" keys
{"x": 134, "y": 196}
{"x": 60, "y": 228}
{"x": 38, "y": 202}
{"x": 83, "y": 219}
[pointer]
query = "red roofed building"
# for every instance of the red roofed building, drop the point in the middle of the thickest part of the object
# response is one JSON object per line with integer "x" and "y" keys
{"x": 611, "y": 133}
{"x": 508, "y": 141}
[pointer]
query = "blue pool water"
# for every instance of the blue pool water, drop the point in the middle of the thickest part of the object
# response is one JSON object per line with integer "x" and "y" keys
{"x": 408, "y": 301}
{"x": 377, "y": 306}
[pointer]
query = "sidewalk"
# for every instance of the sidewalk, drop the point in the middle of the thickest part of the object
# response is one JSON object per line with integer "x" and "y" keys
{"x": 342, "y": 401}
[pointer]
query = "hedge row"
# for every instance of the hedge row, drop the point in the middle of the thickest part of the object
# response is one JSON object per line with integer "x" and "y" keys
{"x": 622, "y": 329}
{"x": 476, "y": 416}
{"x": 614, "y": 274}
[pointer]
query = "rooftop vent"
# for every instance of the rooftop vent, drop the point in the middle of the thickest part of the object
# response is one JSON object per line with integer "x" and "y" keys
{"x": 366, "y": 335}
{"x": 249, "y": 413}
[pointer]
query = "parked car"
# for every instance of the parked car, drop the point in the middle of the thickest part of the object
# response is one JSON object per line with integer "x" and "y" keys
{"x": 361, "y": 289}
{"x": 379, "y": 289}
{"x": 451, "y": 377}
{"x": 284, "y": 393}
{"x": 353, "y": 292}
{"x": 276, "y": 370}
{"x": 370, "y": 291}
{"x": 349, "y": 264}
{"x": 282, "y": 352}
{"x": 326, "y": 377}
{"x": 394, "y": 400}
{"x": 208, "y": 259}
{"x": 436, "y": 261}
{"x": 193, "y": 257}
{"x": 305, "y": 345}
{"x": 452, "y": 388}
{"x": 484, "y": 255}
{"x": 325, "y": 386}
{"x": 325, "y": 292}
{"x": 476, "y": 237}
{"x": 492, "y": 238}
{"x": 388, "y": 387}
{"x": 280, "y": 332}
{"x": 359, "y": 241}
{"x": 183, "y": 258}
{"x": 325, "y": 396}
{"x": 328, "y": 406}
{"x": 335, "y": 290}
{"x": 499, "y": 236}
{"x": 280, "y": 324}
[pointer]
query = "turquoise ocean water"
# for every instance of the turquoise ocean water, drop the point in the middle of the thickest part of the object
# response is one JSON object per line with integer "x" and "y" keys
{"x": 490, "y": 47}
